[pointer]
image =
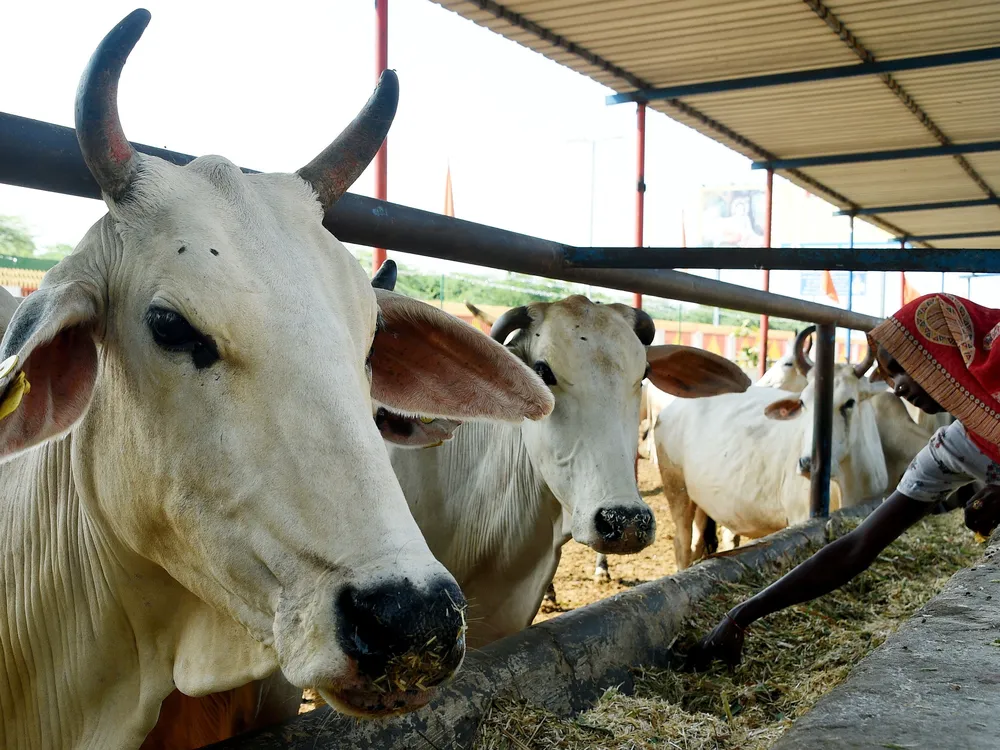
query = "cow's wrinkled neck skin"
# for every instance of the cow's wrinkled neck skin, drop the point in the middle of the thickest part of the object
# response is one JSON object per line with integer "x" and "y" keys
{"x": 88, "y": 651}
{"x": 508, "y": 527}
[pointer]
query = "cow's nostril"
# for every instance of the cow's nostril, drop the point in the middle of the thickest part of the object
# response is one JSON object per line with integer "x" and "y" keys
{"x": 609, "y": 524}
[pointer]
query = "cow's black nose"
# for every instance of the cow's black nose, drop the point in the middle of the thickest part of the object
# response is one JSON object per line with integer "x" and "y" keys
{"x": 625, "y": 529}
{"x": 414, "y": 636}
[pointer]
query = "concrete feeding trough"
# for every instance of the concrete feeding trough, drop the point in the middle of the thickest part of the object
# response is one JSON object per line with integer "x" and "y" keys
{"x": 564, "y": 664}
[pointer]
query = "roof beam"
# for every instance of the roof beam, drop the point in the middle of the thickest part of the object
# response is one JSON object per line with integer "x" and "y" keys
{"x": 955, "y": 236}
{"x": 907, "y": 207}
{"x": 919, "y": 152}
{"x": 809, "y": 76}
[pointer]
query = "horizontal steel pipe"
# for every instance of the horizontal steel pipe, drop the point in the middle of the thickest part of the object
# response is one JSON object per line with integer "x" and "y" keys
{"x": 365, "y": 221}
{"x": 785, "y": 258}
{"x": 44, "y": 156}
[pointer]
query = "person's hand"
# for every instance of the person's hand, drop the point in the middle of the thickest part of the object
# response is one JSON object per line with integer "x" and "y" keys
{"x": 982, "y": 512}
{"x": 724, "y": 643}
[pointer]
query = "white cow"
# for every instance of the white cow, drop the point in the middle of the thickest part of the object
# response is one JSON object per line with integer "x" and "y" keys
{"x": 195, "y": 494}
{"x": 497, "y": 502}
{"x": 744, "y": 459}
{"x": 786, "y": 373}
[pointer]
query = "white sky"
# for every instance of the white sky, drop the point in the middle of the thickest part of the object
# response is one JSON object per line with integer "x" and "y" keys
{"x": 269, "y": 85}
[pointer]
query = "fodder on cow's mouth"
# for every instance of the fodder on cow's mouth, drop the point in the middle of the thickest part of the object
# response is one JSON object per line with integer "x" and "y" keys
{"x": 792, "y": 658}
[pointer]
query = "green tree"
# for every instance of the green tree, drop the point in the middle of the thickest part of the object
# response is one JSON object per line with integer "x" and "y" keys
{"x": 15, "y": 238}
{"x": 55, "y": 252}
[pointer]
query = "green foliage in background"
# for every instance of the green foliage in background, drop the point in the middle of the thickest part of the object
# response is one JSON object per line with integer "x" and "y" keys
{"x": 519, "y": 289}
{"x": 16, "y": 240}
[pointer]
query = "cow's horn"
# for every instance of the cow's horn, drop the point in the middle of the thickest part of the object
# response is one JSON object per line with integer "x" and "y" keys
{"x": 802, "y": 362}
{"x": 515, "y": 319}
{"x": 108, "y": 154}
{"x": 862, "y": 367}
{"x": 342, "y": 162}
{"x": 645, "y": 329}
{"x": 385, "y": 276}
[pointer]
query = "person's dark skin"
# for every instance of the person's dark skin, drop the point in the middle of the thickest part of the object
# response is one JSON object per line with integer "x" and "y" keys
{"x": 841, "y": 560}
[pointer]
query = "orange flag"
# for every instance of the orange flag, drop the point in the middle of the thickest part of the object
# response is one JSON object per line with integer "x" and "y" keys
{"x": 828, "y": 288}
{"x": 449, "y": 199}
{"x": 909, "y": 291}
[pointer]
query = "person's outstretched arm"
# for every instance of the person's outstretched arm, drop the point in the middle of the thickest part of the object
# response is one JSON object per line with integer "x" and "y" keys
{"x": 828, "y": 569}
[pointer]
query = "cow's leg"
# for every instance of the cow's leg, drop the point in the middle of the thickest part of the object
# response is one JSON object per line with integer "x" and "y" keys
{"x": 550, "y": 594}
{"x": 709, "y": 540}
{"x": 601, "y": 574}
{"x": 729, "y": 539}
{"x": 682, "y": 512}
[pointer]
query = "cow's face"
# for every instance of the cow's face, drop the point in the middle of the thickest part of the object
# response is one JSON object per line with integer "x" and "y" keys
{"x": 784, "y": 376}
{"x": 854, "y": 426}
{"x": 593, "y": 358}
{"x": 215, "y": 351}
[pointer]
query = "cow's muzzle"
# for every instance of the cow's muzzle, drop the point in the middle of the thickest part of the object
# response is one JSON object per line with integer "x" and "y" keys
{"x": 403, "y": 641}
{"x": 623, "y": 530}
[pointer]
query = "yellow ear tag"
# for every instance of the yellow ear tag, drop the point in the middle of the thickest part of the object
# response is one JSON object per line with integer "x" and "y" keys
{"x": 434, "y": 445}
{"x": 426, "y": 420}
{"x": 15, "y": 392}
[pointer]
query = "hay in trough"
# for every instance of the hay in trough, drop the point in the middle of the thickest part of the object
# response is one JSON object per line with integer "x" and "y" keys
{"x": 791, "y": 659}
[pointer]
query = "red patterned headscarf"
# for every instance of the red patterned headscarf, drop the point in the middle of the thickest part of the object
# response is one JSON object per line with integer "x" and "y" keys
{"x": 949, "y": 345}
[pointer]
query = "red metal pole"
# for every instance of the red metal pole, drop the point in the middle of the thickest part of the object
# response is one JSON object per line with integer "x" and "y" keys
{"x": 764, "y": 319}
{"x": 640, "y": 183}
{"x": 381, "y": 159}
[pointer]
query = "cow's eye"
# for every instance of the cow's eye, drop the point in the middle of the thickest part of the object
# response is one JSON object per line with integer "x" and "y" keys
{"x": 172, "y": 332}
{"x": 543, "y": 371}
{"x": 848, "y": 405}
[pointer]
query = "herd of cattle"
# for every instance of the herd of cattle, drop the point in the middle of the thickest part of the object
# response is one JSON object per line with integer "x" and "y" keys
{"x": 234, "y": 468}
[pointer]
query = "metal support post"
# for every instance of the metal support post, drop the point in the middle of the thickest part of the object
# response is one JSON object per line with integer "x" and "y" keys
{"x": 640, "y": 184}
{"x": 381, "y": 158}
{"x": 850, "y": 294}
{"x": 765, "y": 319}
{"x": 822, "y": 421}
{"x": 902, "y": 278}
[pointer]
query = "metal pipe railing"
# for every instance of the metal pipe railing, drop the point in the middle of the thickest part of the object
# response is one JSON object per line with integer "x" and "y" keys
{"x": 363, "y": 221}
{"x": 44, "y": 156}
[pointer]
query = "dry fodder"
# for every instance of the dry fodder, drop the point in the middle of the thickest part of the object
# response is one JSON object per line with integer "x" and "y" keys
{"x": 791, "y": 659}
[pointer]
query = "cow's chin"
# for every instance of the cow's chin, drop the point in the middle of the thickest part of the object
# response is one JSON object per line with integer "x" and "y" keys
{"x": 365, "y": 704}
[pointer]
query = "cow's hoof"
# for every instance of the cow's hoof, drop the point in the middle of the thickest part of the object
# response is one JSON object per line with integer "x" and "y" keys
{"x": 601, "y": 576}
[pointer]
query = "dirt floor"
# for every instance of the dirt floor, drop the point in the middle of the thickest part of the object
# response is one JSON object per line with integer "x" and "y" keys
{"x": 574, "y": 581}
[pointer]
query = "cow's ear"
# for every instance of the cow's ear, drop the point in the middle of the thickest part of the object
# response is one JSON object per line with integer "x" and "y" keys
{"x": 687, "y": 372}
{"x": 414, "y": 432}
{"x": 48, "y": 364}
{"x": 786, "y": 408}
{"x": 427, "y": 362}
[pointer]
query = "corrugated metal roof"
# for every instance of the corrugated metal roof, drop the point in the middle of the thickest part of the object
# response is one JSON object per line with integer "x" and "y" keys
{"x": 632, "y": 44}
